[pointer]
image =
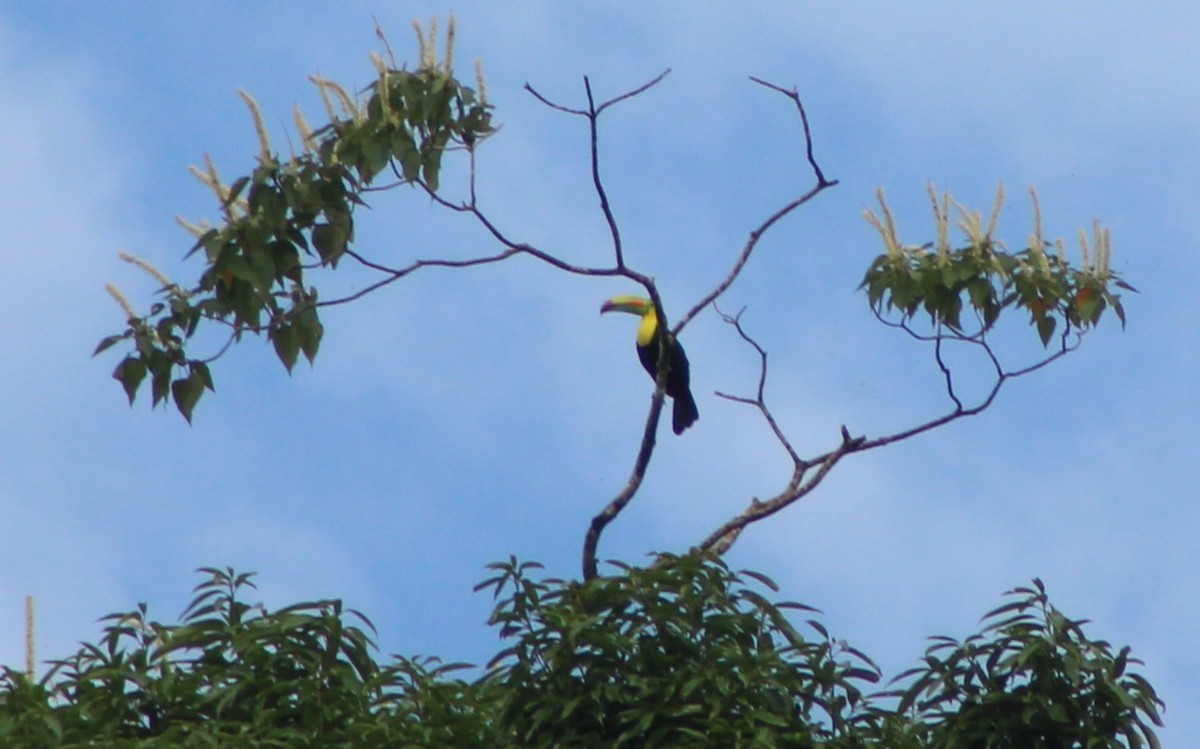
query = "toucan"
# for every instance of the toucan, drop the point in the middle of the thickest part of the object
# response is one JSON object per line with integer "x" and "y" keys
{"x": 684, "y": 412}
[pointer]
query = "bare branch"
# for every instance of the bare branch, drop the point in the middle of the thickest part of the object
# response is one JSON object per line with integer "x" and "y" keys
{"x": 609, "y": 513}
{"x": 221, "y": 351}
{"x": 937, "y": 354}
{"x": 537, "y": 95}
{"x": 722, "y": 538}
{"x": 1002, "y": 377}
{"x": 759, "y": 401}
{"x": 592, "y": 111}
{"x": 593, "y": 115}
{"x": 630, "y": 94}
{"x": 755, "y": 235}
{"x": 794, "y": 95}
{"x": 395, "y": 274}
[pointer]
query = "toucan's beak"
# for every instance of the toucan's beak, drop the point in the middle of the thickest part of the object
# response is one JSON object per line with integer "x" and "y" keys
{"x": 634, "y": 305}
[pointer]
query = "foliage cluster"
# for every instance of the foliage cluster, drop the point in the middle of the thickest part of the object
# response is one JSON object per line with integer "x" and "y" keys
{"x": 984, "y": 277}
{"x": 683, "y": 653}
{"x": 288, "y": 210}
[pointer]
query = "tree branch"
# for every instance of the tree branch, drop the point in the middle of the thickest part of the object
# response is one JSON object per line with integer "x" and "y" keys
{"x": 646, "y": 449}
{"x": 592, "y": 113}
{"x": 761, "y": 229}
{"x": 609, "y": 513}
{"x": 794, "y": 95}
{"x": 759, "y": 400}
{"x": 593, "y": 116}
{"x": 720, "y": 540}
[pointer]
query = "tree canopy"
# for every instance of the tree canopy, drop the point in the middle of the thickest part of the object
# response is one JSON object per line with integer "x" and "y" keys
{"x": 684, "y": 653}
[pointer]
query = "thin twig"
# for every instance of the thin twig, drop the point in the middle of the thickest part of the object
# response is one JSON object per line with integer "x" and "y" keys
{"x": 594, "y": 115}
{"x": 723, "y": 537}
{"x": 937, "y": 355}
{"x": 395, "y": 274}
{"x": 630, "y": 94}
{"x": 759, "y": 401}
{"x": 553, "y": 105}
{"x": 794, "y": 95}
{"x": 822, "y": 184}
{"x": 221, "y": 352}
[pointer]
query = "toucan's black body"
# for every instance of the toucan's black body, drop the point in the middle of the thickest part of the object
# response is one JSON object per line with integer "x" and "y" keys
{"x": 684, "y": 412}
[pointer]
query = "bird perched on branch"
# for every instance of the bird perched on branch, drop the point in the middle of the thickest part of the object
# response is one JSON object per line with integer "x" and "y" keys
{"x": 684, "y": 412}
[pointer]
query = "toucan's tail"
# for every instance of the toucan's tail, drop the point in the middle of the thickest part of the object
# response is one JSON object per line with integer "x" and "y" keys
{"x": 684, "y": 413}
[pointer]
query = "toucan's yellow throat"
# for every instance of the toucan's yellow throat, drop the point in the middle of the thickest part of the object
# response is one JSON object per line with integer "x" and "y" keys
{"x": 684, "y": 412}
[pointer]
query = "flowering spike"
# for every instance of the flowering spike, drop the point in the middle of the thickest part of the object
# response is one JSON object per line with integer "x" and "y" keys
{"x": 264, "y": 142}
{"x": 422, "y": 43}
{"x": 319, "y": 82}
{"x": 210, "y": 178}
{"x": 448, "y": 63}
{"x": 1084, "y": 250}
{"x": 306, "y": 133}
{"x": 116, "y": 294}
{"x": 1101, "y": 262}
{"x": 145, "y": 265}
{"x": 479, "y": 82}
{"x": 941, "y": 216}
{"x": 995, "y": 219}
{"x": 344, "y": 99}
{"x": 380, "y": 66}
{"x": 971, "y": 223}
{"x": 1037, "y": 240}
{"x": 167, "y": 284}
{"x": 431, "y": 62}
{"x": 886, "y": 228}
{"x": 384, "y": 100}
{"x": 196, "y": 230}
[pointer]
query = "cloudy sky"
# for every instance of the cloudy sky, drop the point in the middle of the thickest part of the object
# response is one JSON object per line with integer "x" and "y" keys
{"x": 460, "y": 417}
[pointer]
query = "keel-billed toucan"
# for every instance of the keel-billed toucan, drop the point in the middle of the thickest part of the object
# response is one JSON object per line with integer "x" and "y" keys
{"x": 684, "y": 412}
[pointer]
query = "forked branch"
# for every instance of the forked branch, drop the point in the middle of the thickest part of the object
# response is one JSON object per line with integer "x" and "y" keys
{"x": 645, "y": 451}
{"x": 720, "y": 540}
{"x": 757, "y": 233}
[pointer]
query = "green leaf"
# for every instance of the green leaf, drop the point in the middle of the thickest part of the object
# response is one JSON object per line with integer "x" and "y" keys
{"x": 1045, "y": 327}
{"x": 108, "y": 341}
{"x": 130, "y": 373}
{"x": 429, "y": 168}
{"x": 329, "y": 241}
{"x": 160, "y": 377}
{"x": 287, "y": 344}
{"x": 262, "y": 267}
{"x": 286, "y": 259}
{"x": 309, "y": 333}
{"x": 375, "y": 155}
{"x": 1116, "y": 305}
{"x": 235, "y": 191}
{"x": 187, "y": 392}
{"x": 201, "y": 369}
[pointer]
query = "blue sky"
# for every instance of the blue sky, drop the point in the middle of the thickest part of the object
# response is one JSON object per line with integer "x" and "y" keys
{"x": 460, "y": 417}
